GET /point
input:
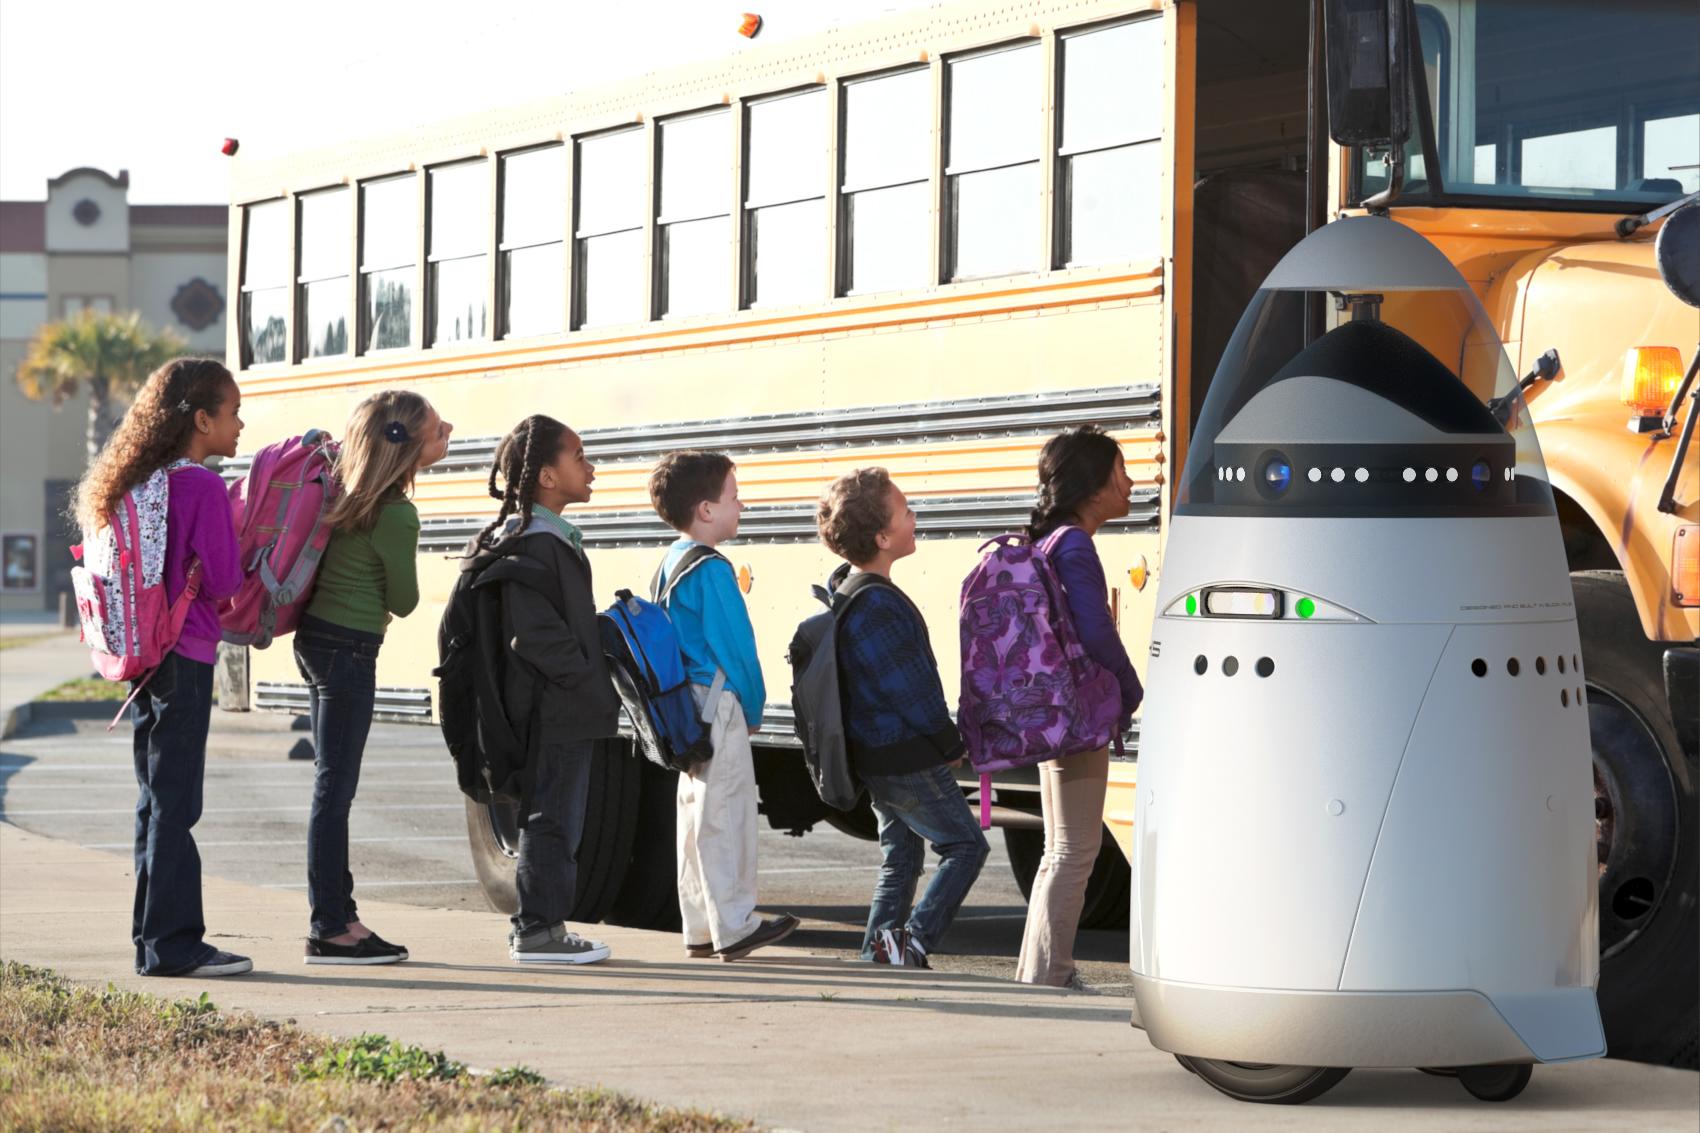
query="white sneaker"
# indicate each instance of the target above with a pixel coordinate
(555, 945)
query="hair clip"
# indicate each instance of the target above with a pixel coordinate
(396, 433)
(183, 406)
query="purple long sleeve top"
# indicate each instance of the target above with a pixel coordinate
(199, 525)
(1082, 575)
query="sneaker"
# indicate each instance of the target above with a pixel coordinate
(366, 950)
(914, 953)
(768, 932)
(899, 948)
(699, 951)
(222, 964)
(555, 945)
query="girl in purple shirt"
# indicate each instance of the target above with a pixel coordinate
(1083, 484)
(188, 410)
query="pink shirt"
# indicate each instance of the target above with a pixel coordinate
(198, 524)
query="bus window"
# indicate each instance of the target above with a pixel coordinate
(994, 142)
(887, 172)
(321, 305)
(531, 244)
(265, 282)
(613, 174)
(785, 200)
(694, 220)
(460, 218)
(1109, 165)
(389, 234)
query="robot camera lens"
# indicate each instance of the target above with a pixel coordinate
(1480, 475)
(1277, 474)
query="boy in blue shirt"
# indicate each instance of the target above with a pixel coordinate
(696, 493)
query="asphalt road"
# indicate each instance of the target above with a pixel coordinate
(73, 780)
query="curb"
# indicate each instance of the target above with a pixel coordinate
(23, 714)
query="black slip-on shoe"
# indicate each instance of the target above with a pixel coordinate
(768, 932)
(366, 950)
(382, 943)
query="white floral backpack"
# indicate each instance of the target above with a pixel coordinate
(128, 625)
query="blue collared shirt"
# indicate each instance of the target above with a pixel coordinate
(714, 630)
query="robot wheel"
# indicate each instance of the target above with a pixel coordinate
(1263, 1082)
(1495, 1083)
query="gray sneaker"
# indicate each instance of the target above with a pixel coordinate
(554, 945)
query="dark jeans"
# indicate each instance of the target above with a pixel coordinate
(340, 668)
(551, 824)
(911, 807)
(171, 717)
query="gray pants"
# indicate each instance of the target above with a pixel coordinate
(551, 825)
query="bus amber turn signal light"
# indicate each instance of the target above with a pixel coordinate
(1650, 374)
(751, 25)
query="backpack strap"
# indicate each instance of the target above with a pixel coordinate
(661, 586)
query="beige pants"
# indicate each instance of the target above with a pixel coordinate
(1071, 794)
(717, 835)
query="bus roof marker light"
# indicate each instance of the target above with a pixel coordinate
(750, 25)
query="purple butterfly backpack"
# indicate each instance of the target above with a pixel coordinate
(1029, 690)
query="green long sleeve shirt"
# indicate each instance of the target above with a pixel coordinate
(367, 576)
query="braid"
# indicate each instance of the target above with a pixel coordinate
(506, 494)
(533, 443)
(528, 468)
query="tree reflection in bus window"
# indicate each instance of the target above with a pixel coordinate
(321, 310)
(532, 241)
(389, 227)
(995, 104)
(887, 228)
(265, 283)
(608, 228)
(1109, 163)
(785, 199)
(695, 215)
(460, 215)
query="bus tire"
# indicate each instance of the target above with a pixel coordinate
(610, 828)
(1646, 820)
(649, 897)
(1108, 891)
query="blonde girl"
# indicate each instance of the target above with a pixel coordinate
(367, 577)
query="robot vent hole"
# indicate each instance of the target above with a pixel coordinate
(1201, 664)
(1512, 667)
(1564, 697)
(1478, 667)
(1541, 665)
(1265, 666)
(1578, 698)
(1561, 663)
(1230, 666)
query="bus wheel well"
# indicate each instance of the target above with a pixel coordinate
(1585, 548)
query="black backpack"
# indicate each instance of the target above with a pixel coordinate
(490, 751)
(816, 699)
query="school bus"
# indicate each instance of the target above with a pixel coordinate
(933, 240)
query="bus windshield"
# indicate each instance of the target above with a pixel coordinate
(1570, 102)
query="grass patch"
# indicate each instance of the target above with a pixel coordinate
(18, 641)
(78, 1059)
(87, 688)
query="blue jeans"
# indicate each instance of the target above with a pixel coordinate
(911, 807)
(171, 717)
(551, 826)
(340, 667)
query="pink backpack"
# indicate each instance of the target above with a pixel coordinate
(1030, 692)
(279, 508)
(120, 585)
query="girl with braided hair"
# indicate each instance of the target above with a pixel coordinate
(1083, 484)
(367, 577)
(556, 691)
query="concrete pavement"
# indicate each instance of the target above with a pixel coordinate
(788, 1039)
(49, 658)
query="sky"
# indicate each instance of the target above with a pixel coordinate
(154, 87)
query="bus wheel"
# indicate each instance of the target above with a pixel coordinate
(1495, 1083)
(1645, 822)
(610, 828)
(1108, 891)
(1262, 1082)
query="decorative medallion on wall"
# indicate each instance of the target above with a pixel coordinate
(197, 304)
(85, 212)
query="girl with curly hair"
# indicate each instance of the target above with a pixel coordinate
(188, 410)
(368, 576)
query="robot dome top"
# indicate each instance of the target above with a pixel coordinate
(1406, 405)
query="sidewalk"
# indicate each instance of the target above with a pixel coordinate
(791, 1040)
(49, 658)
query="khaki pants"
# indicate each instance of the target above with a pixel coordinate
(717, 834)
(1071, 794)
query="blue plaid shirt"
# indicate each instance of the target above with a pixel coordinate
(894, 707)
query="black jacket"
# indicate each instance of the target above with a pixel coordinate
(554, 648)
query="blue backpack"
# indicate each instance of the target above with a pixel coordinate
(649, 672)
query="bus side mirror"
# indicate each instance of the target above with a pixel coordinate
(1368, 91)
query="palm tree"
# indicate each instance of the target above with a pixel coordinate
(111, 354)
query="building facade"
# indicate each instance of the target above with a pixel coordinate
(85, 246)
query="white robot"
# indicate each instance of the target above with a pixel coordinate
(1364, 832)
